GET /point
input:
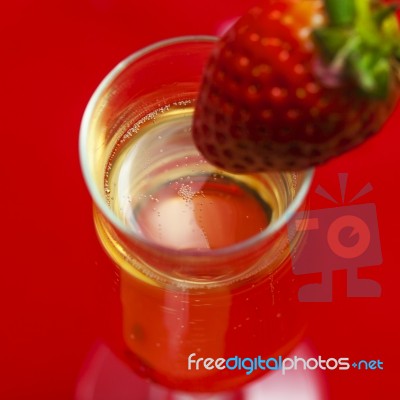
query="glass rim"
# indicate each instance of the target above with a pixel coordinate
(100, 201)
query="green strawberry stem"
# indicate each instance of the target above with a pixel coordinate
(361, 41)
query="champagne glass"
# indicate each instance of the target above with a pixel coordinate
(202, 255)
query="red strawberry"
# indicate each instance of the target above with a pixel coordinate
(295, 83)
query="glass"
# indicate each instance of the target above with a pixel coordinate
(201, 255)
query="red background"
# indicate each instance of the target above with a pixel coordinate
(53, 54)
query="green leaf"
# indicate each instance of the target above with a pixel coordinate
(330, 40)
(382, 14)
(372, 72)
(340, 12)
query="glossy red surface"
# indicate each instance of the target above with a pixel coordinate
(53, 55)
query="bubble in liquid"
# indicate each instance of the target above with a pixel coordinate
(186, 192)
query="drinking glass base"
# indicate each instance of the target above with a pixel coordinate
(103, 377)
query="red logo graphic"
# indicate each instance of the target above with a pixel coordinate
(345, 237)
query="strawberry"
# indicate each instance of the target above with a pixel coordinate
(294, 83)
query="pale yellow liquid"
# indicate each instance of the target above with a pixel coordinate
(159, 185)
